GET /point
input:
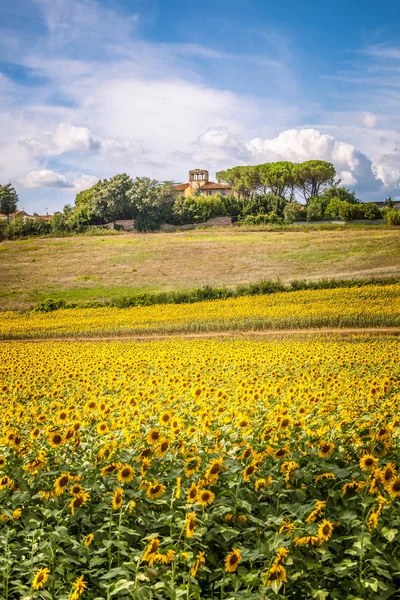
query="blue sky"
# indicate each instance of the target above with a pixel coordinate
(153, 87)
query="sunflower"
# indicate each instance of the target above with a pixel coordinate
(55, 439)
(281, 452)
(165, 418)
(191, 495)
(153, 436)
(116, 501)
(145, 466)
(276, 574)
(151, 551)
(213, 470)
(190, 524)
(192, 465)
(352, 488)
(79, 587)
(162, 449)
(35, 433)
(155, 490)
(166, 558)
(3, 462)
(102, 428)
(76, 489)
(16, 513)
(205, 497)
(388, 473)
(61, 483)
(78, 501)
(200, 560)
(394, 487)
(145, 453)
(325, 449)
(125, 474)
(249, 471)
(263, 483)
(109, 469)
(325, 530)
(232, 560)
(40, 578)
(88, 539)
(368, 462)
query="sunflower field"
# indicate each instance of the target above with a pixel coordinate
(367, 306)
(202, 469)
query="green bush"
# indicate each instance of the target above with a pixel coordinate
(371, 211)
(294, 211)
(350, 212)
(392, 216)
(51, 304)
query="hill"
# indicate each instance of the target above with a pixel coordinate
(95, 268)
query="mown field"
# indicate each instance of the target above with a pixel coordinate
(367, 306)
(99, 268)
(200, 469)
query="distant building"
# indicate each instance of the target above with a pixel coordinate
(25, 216)
(198, 180)
(384, 204)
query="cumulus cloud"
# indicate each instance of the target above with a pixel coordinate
(65, 138)
(387, 168)
(49, 178)
(299, 145)
(369, 120)
(219, 145)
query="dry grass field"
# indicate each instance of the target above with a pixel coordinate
(96, 268)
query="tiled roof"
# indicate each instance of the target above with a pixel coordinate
(181, 187)
(215, 186)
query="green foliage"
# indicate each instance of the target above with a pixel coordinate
(8, 199)
(350, 212)
(19, 227)
(202, 294)
(315, 209)
(151, 202)
(294, 211)
(51, 304)
(110, 200)
(371, 211)
(340, 193)
(392, 216)
(313, 177)
(262, 219)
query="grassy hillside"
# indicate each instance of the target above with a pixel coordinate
(85, 268)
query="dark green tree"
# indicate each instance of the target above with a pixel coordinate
(8, 200)
(110, 200)
(313, 177)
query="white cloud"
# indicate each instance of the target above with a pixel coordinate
(49, 178)
(299, 145)
(66, 138)
(388, 169)
(218, 145)
(369, 120)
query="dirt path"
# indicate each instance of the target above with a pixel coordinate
(273, 333)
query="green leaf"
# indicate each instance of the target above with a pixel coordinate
(122, 584)
(389, 534)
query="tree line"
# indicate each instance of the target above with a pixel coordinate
(265, 193)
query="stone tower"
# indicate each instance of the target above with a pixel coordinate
(198, 178)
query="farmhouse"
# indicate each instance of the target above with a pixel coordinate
(199, 182)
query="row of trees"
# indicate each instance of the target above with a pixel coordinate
(264, 193)
(284, 179)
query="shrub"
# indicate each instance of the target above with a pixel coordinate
(294, 211)
(371, 211)
(350, 212)
(392, 216)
